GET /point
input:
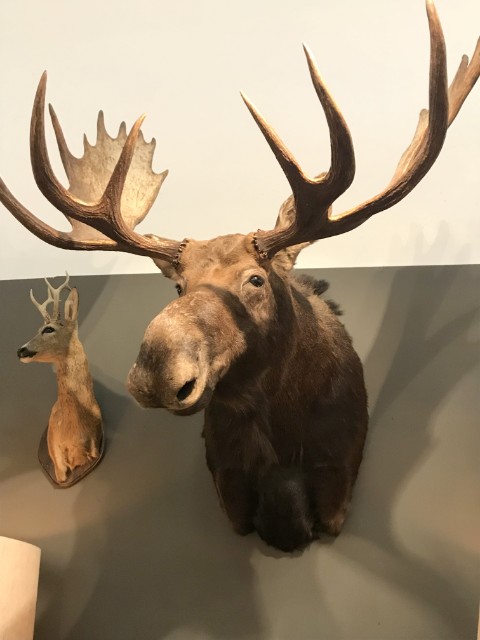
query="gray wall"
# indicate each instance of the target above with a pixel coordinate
(140, 549)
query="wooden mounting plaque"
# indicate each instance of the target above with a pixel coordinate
(76, 474)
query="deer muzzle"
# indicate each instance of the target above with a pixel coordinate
(25, 354)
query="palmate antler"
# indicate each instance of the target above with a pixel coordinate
(112, 188)
(313, 197)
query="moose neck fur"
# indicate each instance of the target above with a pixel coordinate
(284, 354)
(277, 386)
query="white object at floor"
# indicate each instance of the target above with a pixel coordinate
(19, 569)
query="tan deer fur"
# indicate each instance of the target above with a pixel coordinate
(75, 425)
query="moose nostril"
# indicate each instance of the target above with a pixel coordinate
(186, 390)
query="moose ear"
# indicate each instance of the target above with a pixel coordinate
(71, 306)
(165, 267)
(285, 259)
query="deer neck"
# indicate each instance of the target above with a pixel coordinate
(73, 375)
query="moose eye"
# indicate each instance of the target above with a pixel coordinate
(257, 281)
(179, 289)
(48, 330)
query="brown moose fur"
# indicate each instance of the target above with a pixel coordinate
(282, 387)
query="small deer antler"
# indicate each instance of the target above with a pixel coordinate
(54, 295)
(314, 196)
(112, 188)
(43, 307)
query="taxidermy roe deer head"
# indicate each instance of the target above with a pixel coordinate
(74, 434)
(249, 342)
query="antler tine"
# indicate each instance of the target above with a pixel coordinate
(342, 171)
(43, 307)
(88, 175)
(55, 293)
(313, 196)
(444, 104)
(463, 82)
(44, 231)
(65, 154)
(313, 219)
(461, 85)
(105, 215)
(79, 239)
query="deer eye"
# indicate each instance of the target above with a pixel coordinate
(48, 330)
(179, 289)
(257, 281)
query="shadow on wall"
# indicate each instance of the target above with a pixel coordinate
(152, 552)
(148, 554)
(157, 556)
(421, 352)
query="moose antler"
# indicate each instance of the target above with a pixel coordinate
(112, 188)
(53, 296)
(313, 197)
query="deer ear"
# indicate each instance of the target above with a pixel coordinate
(285, 259)
(71, 306)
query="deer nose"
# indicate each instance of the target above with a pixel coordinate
(24, 352)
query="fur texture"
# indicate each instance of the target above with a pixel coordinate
(282, 387)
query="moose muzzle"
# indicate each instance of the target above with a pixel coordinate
(186, 349)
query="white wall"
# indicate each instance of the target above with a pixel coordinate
(184, 63)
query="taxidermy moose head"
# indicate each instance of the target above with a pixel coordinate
(247, 340)
(75, 433)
